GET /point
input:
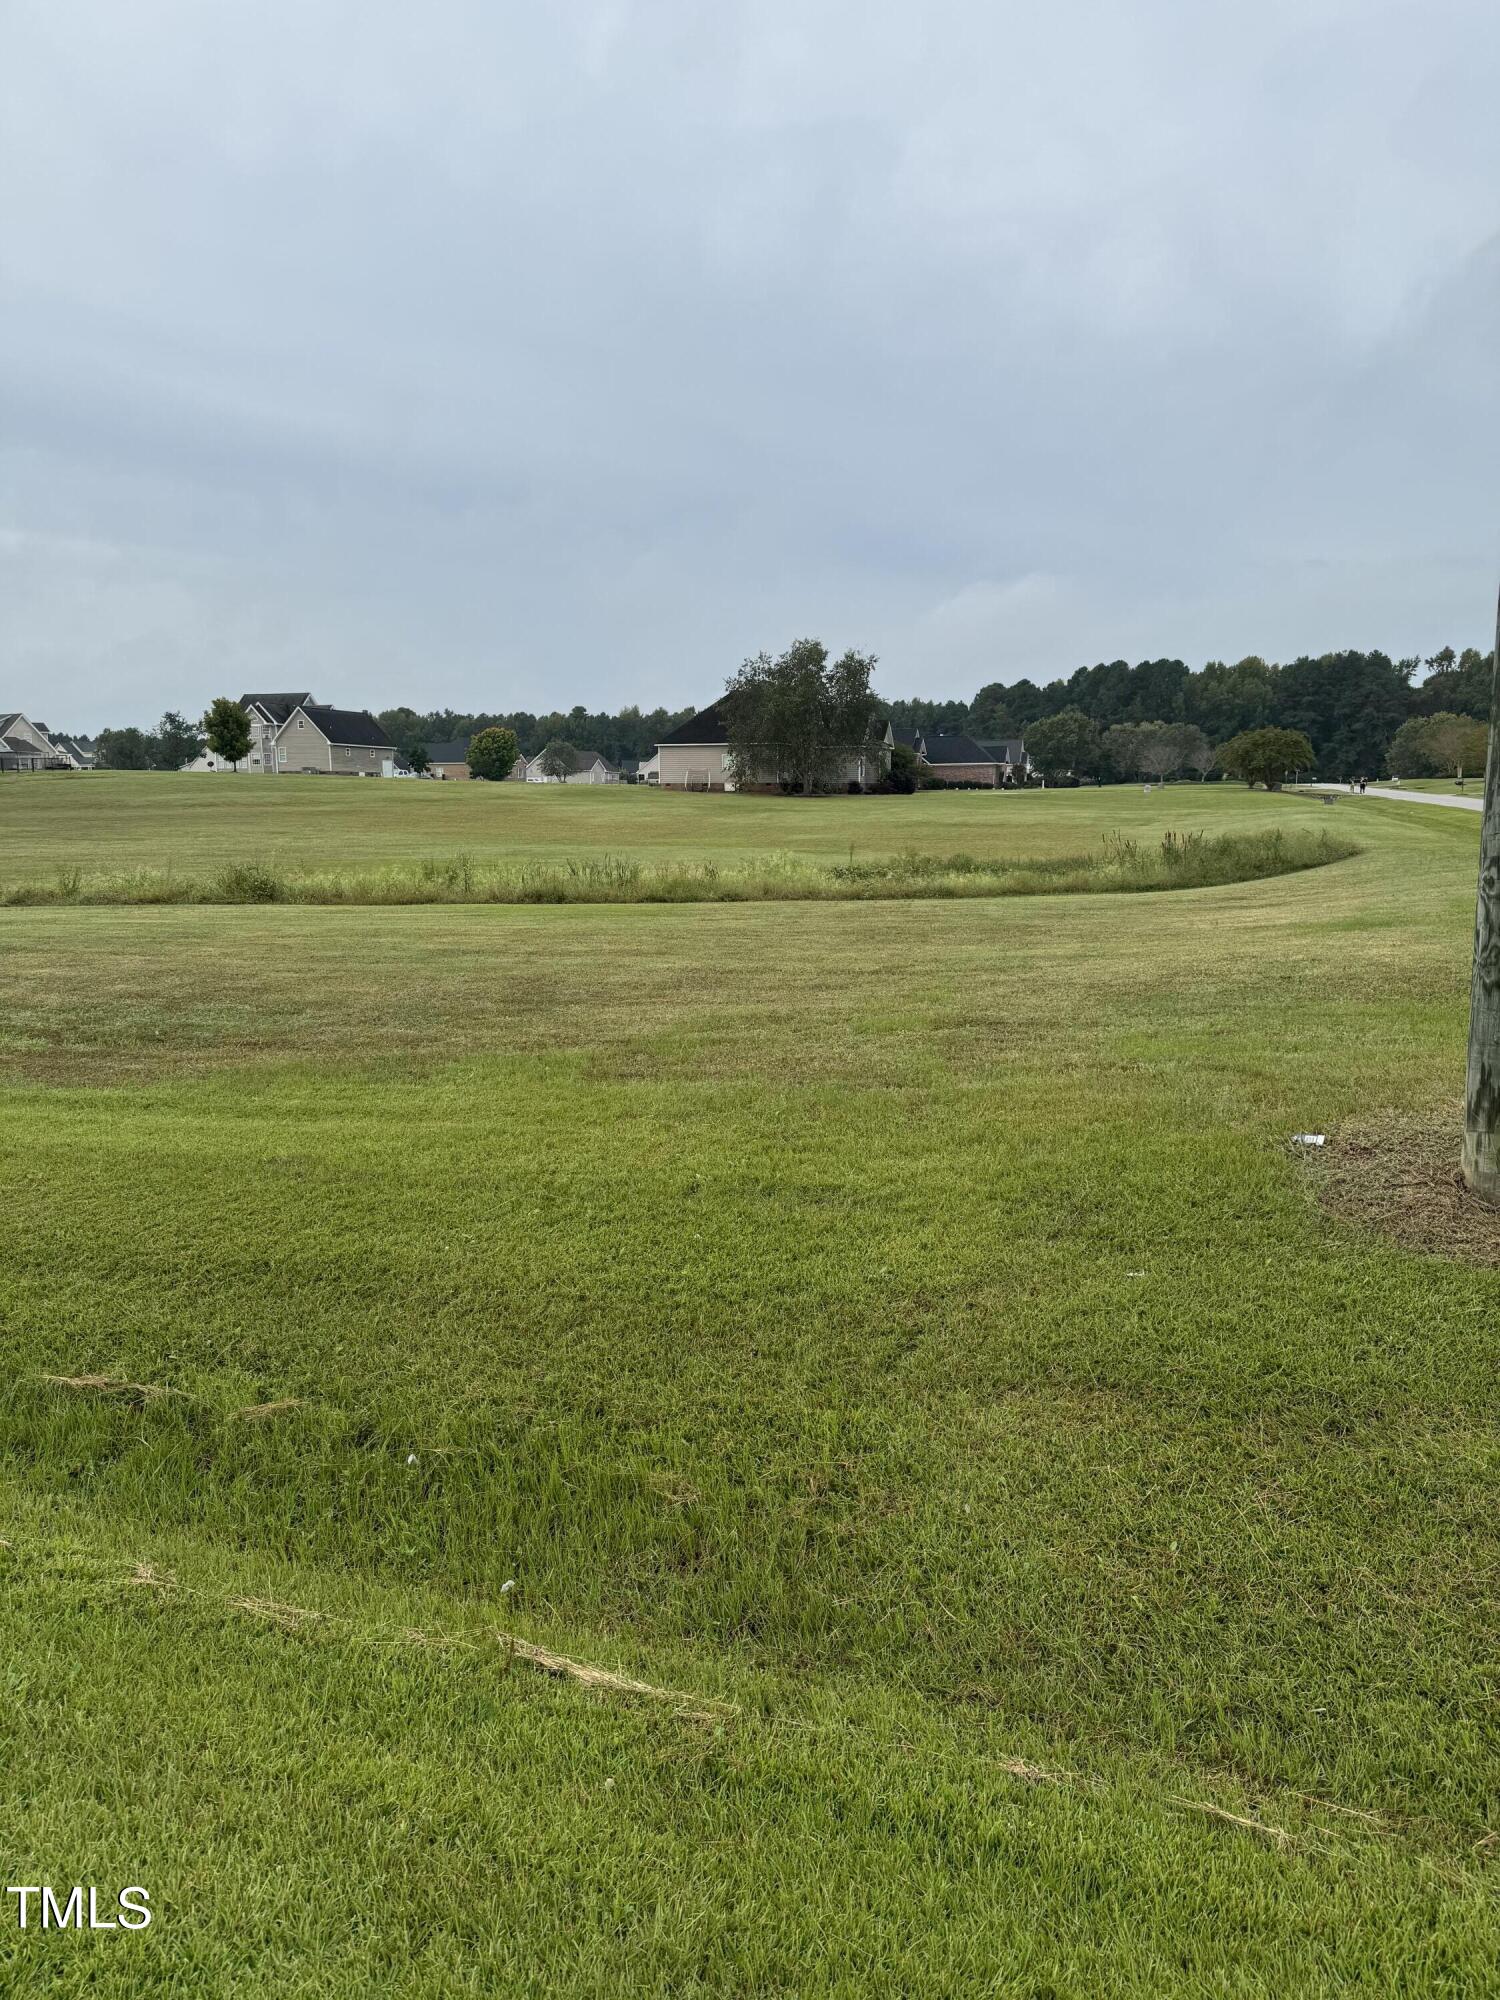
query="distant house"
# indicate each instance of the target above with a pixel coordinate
(26, 747)
(959, 760)
(77, 753)
(694, 757)
(592, 770)
(449, 760)
(292, 733)
(1010, 753)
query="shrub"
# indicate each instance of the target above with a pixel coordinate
(249, 882)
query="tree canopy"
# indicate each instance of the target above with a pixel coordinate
(798, 719)
(126, 749)
(227, 728)
(1066, 745)
(1438, 746)
(559, 759)
(177, 741)
(1266, 756)
(492, 754)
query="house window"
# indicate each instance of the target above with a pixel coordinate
(299, 721)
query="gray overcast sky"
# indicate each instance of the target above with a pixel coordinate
(477, 354)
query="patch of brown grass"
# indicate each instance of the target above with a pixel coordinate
(106, 1385)
(1399, 1176)
(255, 1413)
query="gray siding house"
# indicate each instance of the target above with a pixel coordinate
(292, 733)
(25, 747)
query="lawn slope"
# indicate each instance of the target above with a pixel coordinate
(902, 1329)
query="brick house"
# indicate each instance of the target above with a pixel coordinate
(959, 760)
(449, 760)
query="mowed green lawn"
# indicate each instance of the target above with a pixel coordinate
(110, 821)
(902, 1329)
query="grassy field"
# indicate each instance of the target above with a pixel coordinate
(898, 1334)
(101, 821)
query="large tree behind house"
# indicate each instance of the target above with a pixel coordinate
(799, 719)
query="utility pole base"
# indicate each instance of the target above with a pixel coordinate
(1482, 1165)
(1482, 1096)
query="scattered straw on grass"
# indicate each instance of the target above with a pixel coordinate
(601, 1678)
(1035, 1774)
(1399, 1176)
(255, 1413)
(107, 1385)
(149, 1577)
(290, 1617)
(1276, 1835)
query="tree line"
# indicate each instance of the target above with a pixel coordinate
(630, 732)
(1361, 714)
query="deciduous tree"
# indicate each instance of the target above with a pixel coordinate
(227, 728)
(1266, 756)
(492, 754)
(177, 742)
(559, 760)
(799, 719)
(123, 750)
(1065, 745)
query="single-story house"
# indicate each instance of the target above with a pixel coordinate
(294, 733)
(694, 756)
(24, 746)
(592, 770)
(449, 760)
(959, 760)
(1010, 752)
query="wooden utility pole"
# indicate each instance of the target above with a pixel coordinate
(1482, 1106)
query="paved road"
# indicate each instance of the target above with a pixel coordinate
(1473, 805)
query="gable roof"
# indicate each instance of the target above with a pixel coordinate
(1012, 750)
(276, 707)
(347, 725)
(22, 732)
(587, 759)
(956, 750)
(456, 752)
(709, 725)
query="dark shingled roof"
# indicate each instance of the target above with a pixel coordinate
(448, 753)
(709, 725)
(347, 725)
(956, 750)
(1011, 751)
(277, 706)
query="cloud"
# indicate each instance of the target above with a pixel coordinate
(512, 356)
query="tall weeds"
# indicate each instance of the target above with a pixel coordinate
(1183, 861)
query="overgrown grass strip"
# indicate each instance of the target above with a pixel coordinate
(1120, 866)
